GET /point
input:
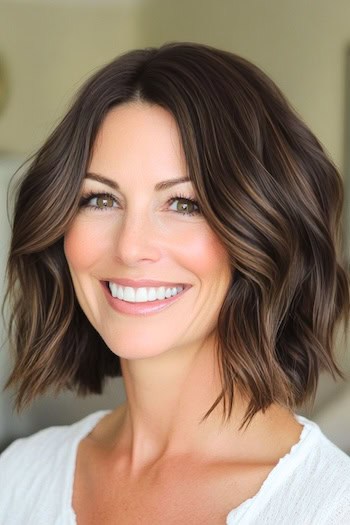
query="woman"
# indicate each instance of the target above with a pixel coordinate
(180, 228)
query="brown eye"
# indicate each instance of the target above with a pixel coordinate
(104, 201)
(98, 201)
(185, 206)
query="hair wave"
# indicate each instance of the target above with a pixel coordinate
(267, 189)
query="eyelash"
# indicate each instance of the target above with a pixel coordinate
(84, 201)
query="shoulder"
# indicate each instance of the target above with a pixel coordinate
(34, 468)
(319, 486)
(34, 451)
(40, 448)
(311, 484)
(323, 455)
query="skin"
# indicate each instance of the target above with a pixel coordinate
(169, 367)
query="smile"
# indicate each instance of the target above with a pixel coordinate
(143, 294)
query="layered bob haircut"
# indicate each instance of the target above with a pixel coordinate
(264, 185)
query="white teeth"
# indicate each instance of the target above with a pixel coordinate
(143, 294)
(151, 294)
(140, 295)
(114, 289)
(160, 293)
(129, 294)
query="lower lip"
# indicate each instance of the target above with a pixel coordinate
(152, 307)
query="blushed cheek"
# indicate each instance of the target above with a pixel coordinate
(83, 246)
(205, 255)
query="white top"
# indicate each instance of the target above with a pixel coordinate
(309, 486)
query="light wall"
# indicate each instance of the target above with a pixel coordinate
(49, 51)
(299, 43)
(51, 48)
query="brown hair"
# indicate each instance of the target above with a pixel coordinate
(266, 188)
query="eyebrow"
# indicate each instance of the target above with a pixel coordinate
(160, 186)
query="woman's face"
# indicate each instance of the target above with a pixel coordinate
(132, 227)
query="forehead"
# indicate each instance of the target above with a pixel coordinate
(138, 137)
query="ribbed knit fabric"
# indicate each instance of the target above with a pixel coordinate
(309, 486)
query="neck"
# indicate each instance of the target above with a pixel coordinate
(167, 397)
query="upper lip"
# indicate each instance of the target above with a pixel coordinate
(144, 282)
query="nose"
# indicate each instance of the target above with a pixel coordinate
(137, 239)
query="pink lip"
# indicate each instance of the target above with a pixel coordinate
(142, 282)
(139, 308)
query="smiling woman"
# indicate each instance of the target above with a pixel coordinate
(160, 236)
(181, 228)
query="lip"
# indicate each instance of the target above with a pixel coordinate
(140, 309)
(144, 282)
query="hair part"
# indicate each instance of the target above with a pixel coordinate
(266, 188)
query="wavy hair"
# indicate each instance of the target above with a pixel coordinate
(265, 186)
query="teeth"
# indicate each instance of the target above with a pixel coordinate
(160, 293)
(129, 294)
(114, 290)
(142, 295)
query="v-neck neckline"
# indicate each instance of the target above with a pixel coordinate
(287, 464)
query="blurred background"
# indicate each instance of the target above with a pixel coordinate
(49, 47)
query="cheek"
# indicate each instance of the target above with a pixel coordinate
(205, 254)
(91, 243)
(83, 245)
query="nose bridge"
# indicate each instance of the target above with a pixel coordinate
(137, 236)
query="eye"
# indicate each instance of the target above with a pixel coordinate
(184, 205)
(98, 201)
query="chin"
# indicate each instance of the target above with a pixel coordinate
(136, 349)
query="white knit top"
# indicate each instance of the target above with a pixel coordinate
(309, 486)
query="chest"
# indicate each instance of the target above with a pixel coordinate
(180, 493)
(147, 508)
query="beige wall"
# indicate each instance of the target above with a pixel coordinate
(300, 43)
(51, 49)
